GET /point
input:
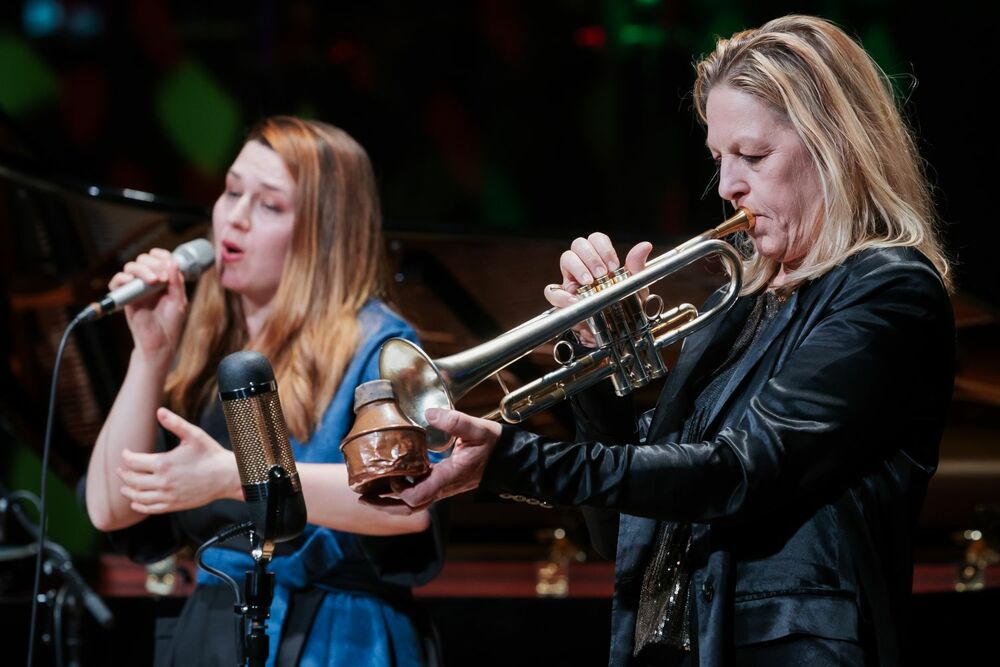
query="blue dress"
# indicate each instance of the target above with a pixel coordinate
(366, 615)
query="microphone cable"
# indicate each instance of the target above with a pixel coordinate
(42, 518)
(200, 258)
(225, 534)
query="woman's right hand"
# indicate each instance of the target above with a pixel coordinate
(156, 320)
(587, 260)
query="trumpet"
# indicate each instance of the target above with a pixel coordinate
(629, 340)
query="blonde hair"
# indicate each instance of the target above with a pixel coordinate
(841, 104)
(335, 264)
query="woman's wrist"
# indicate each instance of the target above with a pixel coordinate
(229, 471)
(156, 364)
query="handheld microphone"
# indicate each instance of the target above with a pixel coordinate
(259, 437)
(192, 257)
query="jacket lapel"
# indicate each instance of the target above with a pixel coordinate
(753, 355)
(701, 353)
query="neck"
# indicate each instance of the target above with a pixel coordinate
(255, 315)
(784, 269)
(779, 279)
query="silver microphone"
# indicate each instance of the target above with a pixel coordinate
(192, 257)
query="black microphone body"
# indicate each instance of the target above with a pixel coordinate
(192, 258)
(259, 437)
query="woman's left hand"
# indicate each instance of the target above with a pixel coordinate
(586, 259)
(196, 472)
(461, 471)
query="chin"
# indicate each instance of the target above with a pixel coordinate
(765, 249)
(232, 285)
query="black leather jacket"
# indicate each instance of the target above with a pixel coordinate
(812, 475)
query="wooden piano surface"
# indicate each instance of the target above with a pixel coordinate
(119, 577)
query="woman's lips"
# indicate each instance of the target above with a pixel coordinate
(231, 253)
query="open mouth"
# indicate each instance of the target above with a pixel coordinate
(231, 252)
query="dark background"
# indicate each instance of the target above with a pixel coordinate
(501, 117)
(492, 125)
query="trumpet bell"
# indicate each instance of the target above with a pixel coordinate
(418, 384)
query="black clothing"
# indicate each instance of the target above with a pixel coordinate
(804, 491)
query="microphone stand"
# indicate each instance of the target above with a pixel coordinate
(63, 631)
(258, 588)
(72, 597)
(66, 631)
(253, 602)
(258, 583)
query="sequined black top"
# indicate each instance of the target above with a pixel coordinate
(664, 614)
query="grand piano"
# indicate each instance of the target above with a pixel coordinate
(516, 575)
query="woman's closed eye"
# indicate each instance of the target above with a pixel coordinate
(749, 159)
(273, 207)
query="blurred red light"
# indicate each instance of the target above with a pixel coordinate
(590, 37)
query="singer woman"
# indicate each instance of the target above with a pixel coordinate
(300, 275)
(763, 514)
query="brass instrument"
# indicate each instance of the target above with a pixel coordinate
(628, 339)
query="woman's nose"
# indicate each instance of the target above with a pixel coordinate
(732, 185)
(239, 213)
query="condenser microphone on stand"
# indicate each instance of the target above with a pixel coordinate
(270, 481)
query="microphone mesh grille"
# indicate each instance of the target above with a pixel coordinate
(259, 436)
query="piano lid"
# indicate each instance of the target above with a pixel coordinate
(61, 239)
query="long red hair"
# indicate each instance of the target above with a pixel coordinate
(336, 262)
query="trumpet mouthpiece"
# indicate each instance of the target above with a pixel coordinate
(743, 220)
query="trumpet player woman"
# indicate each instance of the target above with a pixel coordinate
(299, 272)
(763, 512)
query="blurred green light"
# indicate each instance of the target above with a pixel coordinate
(633, 34)
(309, 110)
(723, 23)
(27, 82)
(878, 41)
(501, 203)
(199, 116)
(68, 523)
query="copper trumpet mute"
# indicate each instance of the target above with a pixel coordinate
(383, 443)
